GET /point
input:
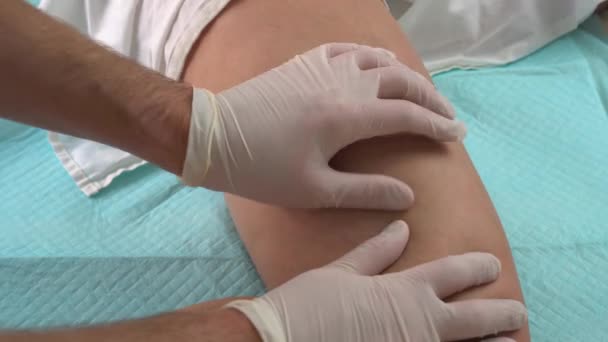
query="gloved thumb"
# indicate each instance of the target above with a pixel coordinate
(368, 191)
(376, 254)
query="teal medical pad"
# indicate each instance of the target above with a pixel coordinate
(538, 135)
(144, 245)
(539, 140)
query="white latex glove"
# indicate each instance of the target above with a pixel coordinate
(347, 301)
(271, 138)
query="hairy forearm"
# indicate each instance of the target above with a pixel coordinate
(191, 325)
(57, 79)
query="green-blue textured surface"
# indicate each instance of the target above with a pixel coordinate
(538, 135)
(539, 139)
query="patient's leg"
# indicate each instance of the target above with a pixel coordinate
(452, 213)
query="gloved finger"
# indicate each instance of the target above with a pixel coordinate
(377, 253)
(367, 191)
(386, 52)
(481, 317)
(401, 82)
(453, 274)
(335, 49)
(388, 117)
(365, 58)
(498, 339)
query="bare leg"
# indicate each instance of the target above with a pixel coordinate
(452, 213)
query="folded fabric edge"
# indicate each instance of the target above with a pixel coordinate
(86, 184)
(560, 29)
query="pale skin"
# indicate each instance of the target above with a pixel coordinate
(87, 76)
(452, 213)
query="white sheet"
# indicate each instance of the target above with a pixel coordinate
(474, 33)
(158, 34)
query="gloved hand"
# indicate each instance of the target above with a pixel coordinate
(347, 301)
(270, 138)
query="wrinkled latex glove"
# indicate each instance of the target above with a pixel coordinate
(271, 138)
(347, 301)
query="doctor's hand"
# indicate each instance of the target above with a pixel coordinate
(271, 138)
(347, 301)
